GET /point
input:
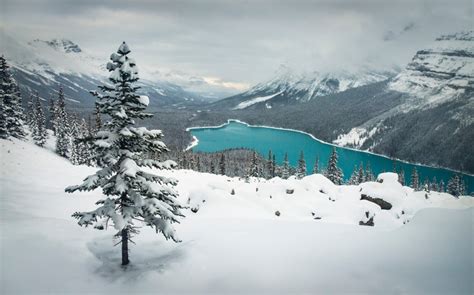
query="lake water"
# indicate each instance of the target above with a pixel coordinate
(235, 134)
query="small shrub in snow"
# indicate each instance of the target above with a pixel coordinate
(277, 213)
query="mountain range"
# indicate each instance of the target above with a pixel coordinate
(292, 87)
(42, 66)
(423, 113)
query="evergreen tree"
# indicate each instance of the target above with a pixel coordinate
(198, 164)
(53, 120)
(301, 170)
(64, 130)
(361, 174)
(30, 112)
(4, 134)
(401, 177)
(434, 184)
(213, 167)
(455, 186)
(415, 180)
(270, 165)
(274, 165)
(368, 175)
(354, 179)
(333, 172)
(316, 166)
(254, 170)
(39, 133)
(285, 169)
(11, 111)
(73, 135)
(222, 164)
(133, 195)
(441, 186)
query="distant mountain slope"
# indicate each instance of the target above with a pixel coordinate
(440, 73)
(290, 87)
(44, 65)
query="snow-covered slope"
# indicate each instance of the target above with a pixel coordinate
(42, 66)
(234, 243)
(289, 87)
(440, 73)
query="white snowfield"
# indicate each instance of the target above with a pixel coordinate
(251, 102)
(233, 243)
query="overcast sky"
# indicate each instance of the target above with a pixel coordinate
(238, 43)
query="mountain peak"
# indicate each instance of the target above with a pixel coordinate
(441, 72)
(459, 36)
(64, 45)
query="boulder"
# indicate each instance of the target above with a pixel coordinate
(382, 203)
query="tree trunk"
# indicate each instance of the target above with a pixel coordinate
(125, 260)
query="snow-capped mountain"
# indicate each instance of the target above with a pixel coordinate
(442, 72)
(42, 66)
(433, 122)
(289, 86)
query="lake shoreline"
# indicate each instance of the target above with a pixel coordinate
(196, 142)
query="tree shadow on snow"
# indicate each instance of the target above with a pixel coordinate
(145, 257)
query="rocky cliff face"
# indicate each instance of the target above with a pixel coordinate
(442, 72)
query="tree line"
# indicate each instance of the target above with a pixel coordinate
(245, 163)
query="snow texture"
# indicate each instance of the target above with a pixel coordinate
(246, 104)
(234, 243)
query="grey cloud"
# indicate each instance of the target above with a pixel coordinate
(244, 41)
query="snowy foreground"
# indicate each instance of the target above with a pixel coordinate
(233, 243)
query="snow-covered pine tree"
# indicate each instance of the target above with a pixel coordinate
(368, 174)
(333, 172)
(84, 146)
(11, 117)
(254, 170)
(316, 166)
(222, 164)
(401, 177)
(213, 167)
(301, 169)
(274, 166)
(132, 194)
(434, 184)
(441, 186)
(415, 180)
(198, 164)
(63, 130)
(3, 118)
(40, 134)
(455, 186)
(269, 165)
(285, 169)
(30, 112)
(73, 136)
(354, 179)
(361, 174)
(53, 120)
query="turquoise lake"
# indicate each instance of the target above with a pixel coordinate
(235, 134)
